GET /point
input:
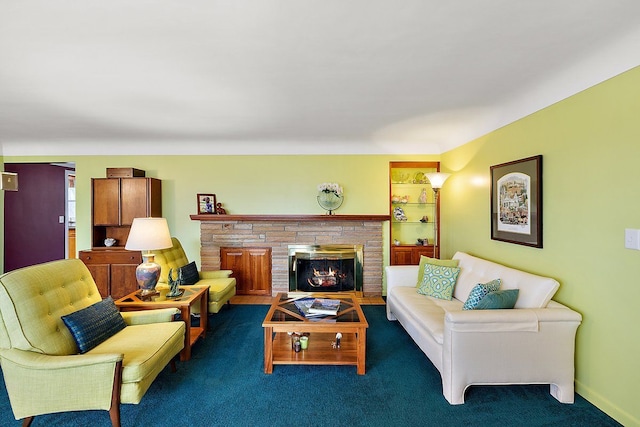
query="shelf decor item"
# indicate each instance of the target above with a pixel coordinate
(330, 196)
(146, 235)
(516, 202)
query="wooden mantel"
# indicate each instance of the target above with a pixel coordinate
(279, 218)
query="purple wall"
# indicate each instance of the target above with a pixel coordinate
(32, 232)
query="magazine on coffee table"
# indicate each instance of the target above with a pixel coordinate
(303, 306)
(325, 306)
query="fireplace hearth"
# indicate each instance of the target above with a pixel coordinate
(325, 268)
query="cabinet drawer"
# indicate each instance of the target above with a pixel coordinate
(111, 257)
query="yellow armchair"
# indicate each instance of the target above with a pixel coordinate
(221, 286)
(42, 368)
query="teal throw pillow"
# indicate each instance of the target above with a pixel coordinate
(438, 281)
(479, 291)
(498, 300)
(94, 324)
(424, 260)
(190, 275)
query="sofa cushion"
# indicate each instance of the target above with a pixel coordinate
(94, 324)
(478, 292)
(424, 260)
(438, 281)
(190, 275)
(498, 300)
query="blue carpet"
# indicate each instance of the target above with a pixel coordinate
(224, 385)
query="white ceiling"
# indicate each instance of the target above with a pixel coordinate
(294, 76)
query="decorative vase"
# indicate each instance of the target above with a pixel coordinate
(329, 201)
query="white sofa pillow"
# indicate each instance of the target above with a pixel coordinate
(535, 291)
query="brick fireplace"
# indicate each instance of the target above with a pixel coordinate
(278, 232)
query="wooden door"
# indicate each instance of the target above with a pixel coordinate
(106, 201)
(100, 274)
(259, 271)
(420, 251)
(134, 197)
(232, 259)
(123, 279)
(401, 255)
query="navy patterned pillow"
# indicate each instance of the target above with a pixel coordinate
(190, 275)
(94, 324)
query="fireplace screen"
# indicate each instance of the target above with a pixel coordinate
(325, 268)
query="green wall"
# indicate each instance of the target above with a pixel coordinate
(244, 184)
(591, 152)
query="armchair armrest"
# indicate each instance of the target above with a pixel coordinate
(61, 383)
(215, 274)
(144, 317)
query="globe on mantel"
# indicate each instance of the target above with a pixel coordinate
(330, 201)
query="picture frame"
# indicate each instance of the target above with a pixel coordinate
(207, 204)
(516, 202)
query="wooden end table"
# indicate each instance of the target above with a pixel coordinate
(283, 317)
(190, 296)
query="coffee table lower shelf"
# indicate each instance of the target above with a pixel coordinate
(319, 351)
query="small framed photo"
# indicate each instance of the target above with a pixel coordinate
(206, 204)
(516, 202)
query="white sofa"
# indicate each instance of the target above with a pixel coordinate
(531, 344)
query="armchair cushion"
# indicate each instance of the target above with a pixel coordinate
(94, 324)
(190, 275)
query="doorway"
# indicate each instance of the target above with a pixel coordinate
(36, 225)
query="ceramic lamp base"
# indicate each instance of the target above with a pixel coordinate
(147, 275)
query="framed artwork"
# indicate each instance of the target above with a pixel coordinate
(516, 202)
(206, 204)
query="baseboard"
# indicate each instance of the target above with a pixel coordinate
(606, 406)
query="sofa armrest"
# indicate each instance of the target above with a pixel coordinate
(215, 274)
(401, 275)
(508, 320)
(144, 317)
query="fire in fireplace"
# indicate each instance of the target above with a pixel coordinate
(325, 268)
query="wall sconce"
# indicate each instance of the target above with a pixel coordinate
(147, 234)
(9, 181)
(436, 179)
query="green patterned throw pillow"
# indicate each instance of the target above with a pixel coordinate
(424, 260)
(479, 291)
(438, 281)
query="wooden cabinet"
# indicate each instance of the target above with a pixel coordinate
(251, 268)
(114, 271)
(409, 255)
(115, 202)
(413, 209)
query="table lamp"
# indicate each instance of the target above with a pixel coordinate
(147, 234)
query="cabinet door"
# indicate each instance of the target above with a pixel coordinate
(259, 271)
(232, 259)
(123, 279)
(420, 251)
(100, 274)
(106, 201)
(135, 202)
(401, 255)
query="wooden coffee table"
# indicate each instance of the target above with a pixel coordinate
(190, 296)
(283, 318)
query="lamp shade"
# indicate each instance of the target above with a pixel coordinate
(148, 234)
(437, 179)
